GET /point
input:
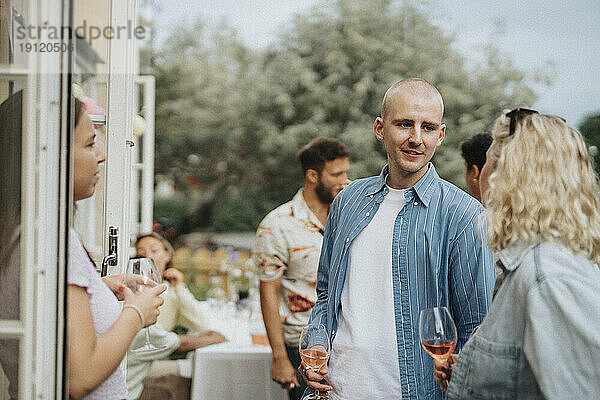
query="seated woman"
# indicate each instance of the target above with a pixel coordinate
(540, 338)
(99, 332)
(180, 308)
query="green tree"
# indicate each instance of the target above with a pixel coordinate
(335, 65)
(590, 129)
(230, 119)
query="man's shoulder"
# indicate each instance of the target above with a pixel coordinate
(285, 210)
(454, 197)
(460, 209)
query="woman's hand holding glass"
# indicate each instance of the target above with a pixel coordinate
(132, 281)
(146, 268)
(147, 301)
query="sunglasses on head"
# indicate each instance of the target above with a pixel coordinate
(519, 114)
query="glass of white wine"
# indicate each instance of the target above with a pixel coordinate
(147, 269)
(437, 332)
(314, 350)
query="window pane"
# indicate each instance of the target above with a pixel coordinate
(11, 102)
(13, 36)
(9, 369)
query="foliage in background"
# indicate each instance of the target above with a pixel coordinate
(590, 129)
(229, 119)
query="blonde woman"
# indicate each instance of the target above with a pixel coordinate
(540, 338)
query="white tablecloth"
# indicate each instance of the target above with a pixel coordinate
(234, 371)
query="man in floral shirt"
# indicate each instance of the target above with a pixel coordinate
(286, 253)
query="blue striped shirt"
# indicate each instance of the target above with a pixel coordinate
(439, 259)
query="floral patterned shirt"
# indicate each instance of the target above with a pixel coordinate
(288, 245)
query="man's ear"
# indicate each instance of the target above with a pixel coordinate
(442, 134)
(312, 176)
(378, 129)
(475, 171)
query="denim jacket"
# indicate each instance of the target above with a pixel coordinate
(438, 259)
(541, 337)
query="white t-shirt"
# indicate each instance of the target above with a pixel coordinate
(364, 354)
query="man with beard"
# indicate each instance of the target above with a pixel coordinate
(286, 254)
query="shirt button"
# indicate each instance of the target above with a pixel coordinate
(347, 240)
(371, 196)
(367, 214)
(416, 204)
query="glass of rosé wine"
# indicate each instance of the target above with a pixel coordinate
(437, 332)
(314, 351)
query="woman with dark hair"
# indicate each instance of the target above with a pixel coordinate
(99, 332)
(540, 337)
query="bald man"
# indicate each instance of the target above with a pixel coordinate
(395, 244)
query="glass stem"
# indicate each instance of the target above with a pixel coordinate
(147, 336)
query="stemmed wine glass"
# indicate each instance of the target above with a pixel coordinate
(147, 269)
(437, 332)
(314, 351)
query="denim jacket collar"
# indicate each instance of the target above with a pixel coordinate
(511, 256)
(424, 188)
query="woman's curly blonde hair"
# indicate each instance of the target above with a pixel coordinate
(543, 188)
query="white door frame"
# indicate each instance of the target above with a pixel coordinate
(119, 128)
(46, 191)
(44, 211)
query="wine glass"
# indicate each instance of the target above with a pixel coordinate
(437, 332)
(314, 351)
(147, 269)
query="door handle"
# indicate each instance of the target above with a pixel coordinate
(112, 257)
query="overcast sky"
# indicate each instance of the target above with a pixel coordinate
(536, 33)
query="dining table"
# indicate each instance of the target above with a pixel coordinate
(233, 371)
(238, 369)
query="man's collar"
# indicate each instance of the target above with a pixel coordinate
(303, 210)
(423, 188)
(299, 202)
